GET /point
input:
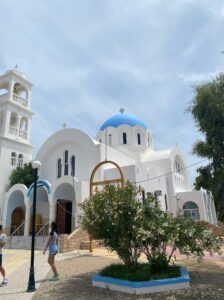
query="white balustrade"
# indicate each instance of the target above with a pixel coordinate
(20, 100)
(13, 130)
(15, 98)
(4, 97)
(20, 133)
(23, 134)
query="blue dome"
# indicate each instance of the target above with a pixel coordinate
(122, 119)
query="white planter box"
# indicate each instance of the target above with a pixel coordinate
(143, 287)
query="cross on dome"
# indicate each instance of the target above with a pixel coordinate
(121, 110)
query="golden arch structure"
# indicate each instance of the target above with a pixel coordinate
(119, 181)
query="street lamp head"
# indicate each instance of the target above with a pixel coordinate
(36, 164)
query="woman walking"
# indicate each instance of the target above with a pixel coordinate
(52, 243)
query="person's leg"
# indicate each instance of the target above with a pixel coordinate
(49, 260)
(52, 264)
(2, 271)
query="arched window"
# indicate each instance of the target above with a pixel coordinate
(59, 168)
(23, 124)
(73, 166)
(124, 138)
(166, 203)
(66, 164)
(191, 210)
(14, 119)
(20, 160)
(13, 158)
(1, 120)
(16, 88)
(177, 166)
(110, 140)
(139, 138)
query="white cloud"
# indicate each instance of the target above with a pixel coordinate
(88, 58)
(194, 78)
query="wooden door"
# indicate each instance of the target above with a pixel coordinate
(18, 217)
(61, 211)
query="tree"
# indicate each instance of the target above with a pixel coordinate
(23, 175)
(207, 109)
(130, 227)
(112, 216)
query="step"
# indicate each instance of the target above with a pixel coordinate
(22, 242)
(84, 245)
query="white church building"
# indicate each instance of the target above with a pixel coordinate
(69, 156)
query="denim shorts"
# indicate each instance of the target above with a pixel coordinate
(53, 249)
(0, 260)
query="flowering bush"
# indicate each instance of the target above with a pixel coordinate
(130, 227)
(112, 215)
(162, 234)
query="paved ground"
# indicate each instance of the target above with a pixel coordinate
(207, 281)
(17, 263)
(207, 278)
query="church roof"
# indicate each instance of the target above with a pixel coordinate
(122, 119)
(158, 155)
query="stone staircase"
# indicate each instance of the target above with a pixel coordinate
(24, 242)
(77, 240)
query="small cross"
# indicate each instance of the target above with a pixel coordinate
(121, 110)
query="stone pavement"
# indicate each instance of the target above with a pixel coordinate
(17, 263)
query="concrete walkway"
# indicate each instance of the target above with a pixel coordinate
(17, 264)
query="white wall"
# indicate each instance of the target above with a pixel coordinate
(15, 200)
(113, 173)
(194, 196)
(42, 203)
(77, 143)
(209, 206)
(7, 147)
(116, 134)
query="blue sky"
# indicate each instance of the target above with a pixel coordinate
(87, 58)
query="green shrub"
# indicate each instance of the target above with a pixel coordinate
(162, 234)
(130, 227)
(112, 216)
(141, 272)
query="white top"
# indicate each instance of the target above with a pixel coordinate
(2, 240)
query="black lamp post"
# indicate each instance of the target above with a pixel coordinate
(31, 284)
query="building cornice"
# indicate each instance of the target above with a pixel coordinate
(16, 141)
(20, 107)
(17, 75)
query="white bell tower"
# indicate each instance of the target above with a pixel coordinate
(15, 126)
